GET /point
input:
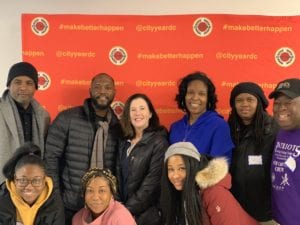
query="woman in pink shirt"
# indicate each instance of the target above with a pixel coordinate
(99, 188)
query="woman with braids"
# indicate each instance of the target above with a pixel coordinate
(201, 125)
(195, 190)
(253, 132)
(99, 187)
(27, 196)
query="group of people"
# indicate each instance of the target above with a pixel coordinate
(89, 167)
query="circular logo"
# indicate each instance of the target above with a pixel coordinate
(202, 27)
(285, 57)
(44, 81)
(118, 108)
(118, 55)
(40, 26)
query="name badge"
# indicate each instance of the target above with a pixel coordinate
(291, 163)
(255, 160)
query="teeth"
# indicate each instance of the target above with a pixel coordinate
(283, 116)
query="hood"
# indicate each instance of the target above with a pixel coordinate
(163, 131)
(3, 189)
(215, 171)
(206, 118)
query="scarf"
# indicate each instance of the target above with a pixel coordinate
(17, 119)
(35, 127)
(100, 142)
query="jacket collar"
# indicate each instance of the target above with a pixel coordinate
(215, 171)
(87, 106)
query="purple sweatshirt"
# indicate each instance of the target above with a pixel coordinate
(285, 172)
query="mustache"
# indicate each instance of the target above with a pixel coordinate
(99, 96)
(100, 106)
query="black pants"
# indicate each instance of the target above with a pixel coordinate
(69, 213)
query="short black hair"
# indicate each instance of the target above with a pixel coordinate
(27, 154)
(102, 74)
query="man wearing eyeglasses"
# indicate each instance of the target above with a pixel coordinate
(285, 167)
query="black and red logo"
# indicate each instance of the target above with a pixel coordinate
(44, 81)
(40, 26)
(118, 108)
(285, 57)
(118, 55)
(202, 27)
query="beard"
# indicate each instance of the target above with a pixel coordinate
(100, 106)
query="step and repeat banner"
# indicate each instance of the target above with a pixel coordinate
(150, 54)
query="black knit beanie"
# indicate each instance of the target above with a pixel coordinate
(250, 88)
(22, 69)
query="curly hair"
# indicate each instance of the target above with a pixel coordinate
(97, 172)
(182, 90)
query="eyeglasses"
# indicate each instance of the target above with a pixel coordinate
(35, 182)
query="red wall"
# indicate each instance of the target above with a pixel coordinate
(150, 54)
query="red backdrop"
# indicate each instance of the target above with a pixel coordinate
(150, 54)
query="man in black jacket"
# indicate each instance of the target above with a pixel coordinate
(80, 138)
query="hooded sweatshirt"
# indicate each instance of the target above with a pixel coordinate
(26, 214)
(210, 134)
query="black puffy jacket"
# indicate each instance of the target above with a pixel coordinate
(50, 213)
(69, 147)
(145, 163)
(251, 184)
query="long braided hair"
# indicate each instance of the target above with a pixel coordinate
(235, 123)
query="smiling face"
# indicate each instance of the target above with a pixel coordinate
(287, 112)
(30, 182)
(176, 171)
(196, 99)
(22, 89)
(98, 196)
(139, 114)
(102, 91)
(246, 105)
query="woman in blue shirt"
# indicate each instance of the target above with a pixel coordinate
(201, 125)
